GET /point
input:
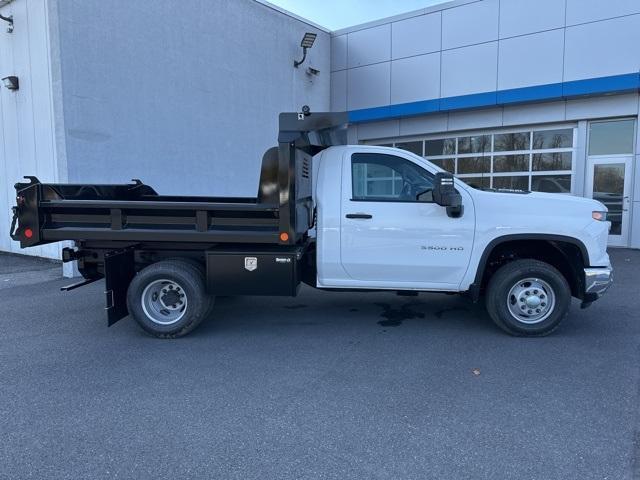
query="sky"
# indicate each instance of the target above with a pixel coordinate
(336, 14)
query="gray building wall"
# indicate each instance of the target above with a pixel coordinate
(183, 95)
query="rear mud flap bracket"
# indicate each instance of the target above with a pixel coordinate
(119, 270)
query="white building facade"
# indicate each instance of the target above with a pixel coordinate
(506, 94)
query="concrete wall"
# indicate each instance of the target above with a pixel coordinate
(184, 95)
(27, 142)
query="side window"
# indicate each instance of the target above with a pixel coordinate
(381, 177)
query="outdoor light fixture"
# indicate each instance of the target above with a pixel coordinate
(11, 82)
(307, 42)
(9, 20)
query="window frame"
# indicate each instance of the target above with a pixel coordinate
(353, 198)
(530, 173)
(612, 155)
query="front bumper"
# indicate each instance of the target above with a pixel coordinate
(596, 282)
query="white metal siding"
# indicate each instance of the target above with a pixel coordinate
(26, 116)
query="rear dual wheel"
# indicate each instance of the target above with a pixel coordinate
(168, 299)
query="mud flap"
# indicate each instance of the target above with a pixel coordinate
(119, 270)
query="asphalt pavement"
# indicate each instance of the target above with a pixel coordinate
(325, 385)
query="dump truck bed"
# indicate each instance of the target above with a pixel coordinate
(135, 212)
(281, 213)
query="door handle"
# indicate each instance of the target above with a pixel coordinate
(364, 216)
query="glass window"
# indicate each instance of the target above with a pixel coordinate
(474, 165)
(507, 142)
(611, 138)
(511, 163)
(552, 161)
(448, 164)
(445, 146)
(544, 139)
(476, 144)
(551, 183)
(413, 147)
(385, 145)
(387, 178)
(481, 183)
(608, 187)
(511, 183)
(537, 159)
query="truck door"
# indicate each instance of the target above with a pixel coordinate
(392, 234)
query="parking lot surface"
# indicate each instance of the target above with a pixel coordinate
(325, 385)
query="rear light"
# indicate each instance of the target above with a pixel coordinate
(28, 233)
(284, 237)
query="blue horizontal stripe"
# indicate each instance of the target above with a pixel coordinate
(539, 93)
(477, 100)
(556, 91)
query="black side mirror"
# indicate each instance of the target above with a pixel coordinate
(445, 194)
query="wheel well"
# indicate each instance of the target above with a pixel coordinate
(567, 257)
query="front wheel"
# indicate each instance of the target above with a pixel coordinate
(528, 298)
(168, 299)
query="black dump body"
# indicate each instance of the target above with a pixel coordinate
(281, 214)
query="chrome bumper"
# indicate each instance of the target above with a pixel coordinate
(596, 282)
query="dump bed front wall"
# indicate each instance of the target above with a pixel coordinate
(185, 97)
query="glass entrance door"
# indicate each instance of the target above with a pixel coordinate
(609, 181)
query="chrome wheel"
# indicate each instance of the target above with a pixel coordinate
(164, 302)
(531, 300)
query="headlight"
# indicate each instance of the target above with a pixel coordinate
(600, 216)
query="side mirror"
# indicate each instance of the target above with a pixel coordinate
(445, 194)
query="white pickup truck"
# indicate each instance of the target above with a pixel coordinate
(335, 217)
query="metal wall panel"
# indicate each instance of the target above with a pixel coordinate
(583, 11)
(27, 144)
(386, 129)
(470, 24)
(338, 52)
(415, 78)
(339, 91)
(602, 48)
(371, 45)
(469, 70)
(520, 17)
(602, 107)
(531, 60)
(187, 102)
(489, 118)
(369, 86)
(535, 113)
(416, 36)
(423, 125)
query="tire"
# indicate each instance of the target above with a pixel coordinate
(193, 263)
(528, 298)
(168, 299)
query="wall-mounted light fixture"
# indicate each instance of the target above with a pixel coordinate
(312, 71)
(307, 42)
(11, 82)
(9, 20)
